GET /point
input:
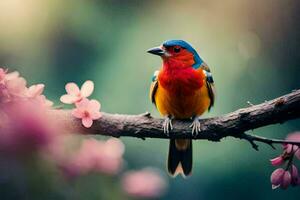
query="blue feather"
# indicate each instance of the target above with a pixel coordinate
(197, 59)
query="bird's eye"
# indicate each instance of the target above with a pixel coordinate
(176, 49)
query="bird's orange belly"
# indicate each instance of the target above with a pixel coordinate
(182, 106)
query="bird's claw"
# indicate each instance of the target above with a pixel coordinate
(167, 125)
(196, 127)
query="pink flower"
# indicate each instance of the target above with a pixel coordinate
(35, 92)
(147, 183)
(95, 156)
(277, 161)
(74, 94)
(87, 111)
(281, 178)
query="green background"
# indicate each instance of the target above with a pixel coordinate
(251, 46)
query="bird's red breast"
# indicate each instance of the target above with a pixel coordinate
(180, 81)
(182, 90)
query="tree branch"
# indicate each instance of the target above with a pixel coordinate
(233, 124)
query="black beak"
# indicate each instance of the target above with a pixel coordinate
(157, 51)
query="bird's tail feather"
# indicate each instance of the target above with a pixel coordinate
(180, 158)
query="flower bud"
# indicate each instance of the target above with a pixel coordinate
(280, 178)
(276, 178)
(277, 161)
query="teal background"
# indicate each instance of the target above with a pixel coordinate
(251, 46)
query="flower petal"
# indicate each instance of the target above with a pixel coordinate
(94, 105)
(12, 75)
(286, 180)
(68, 99)
(87, 88)
(95, 115)
(72, 88)
(277, 161)
(289, 148)
(77, 113)
(84, 103)
(87, 122)
(35, 90)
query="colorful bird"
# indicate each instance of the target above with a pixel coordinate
(182, 89)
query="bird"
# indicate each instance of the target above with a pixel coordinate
(183, 88)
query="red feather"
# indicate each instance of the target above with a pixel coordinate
(179, 77)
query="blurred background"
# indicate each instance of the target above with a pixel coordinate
(251, 46)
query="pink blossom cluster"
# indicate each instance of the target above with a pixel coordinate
(95, 156)
(86, 110)
(24, 127)
(13, 88)
(27, 129)
(283, 177)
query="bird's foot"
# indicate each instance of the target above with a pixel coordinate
(196, 126)
(167, 125)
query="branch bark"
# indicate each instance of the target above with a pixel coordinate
(233, 124)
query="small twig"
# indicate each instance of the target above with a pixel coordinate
(250, 139)
(269, 141)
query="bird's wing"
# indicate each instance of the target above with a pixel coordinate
(154, 86)
(209, 84)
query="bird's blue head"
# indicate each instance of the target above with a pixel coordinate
(179, 50)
